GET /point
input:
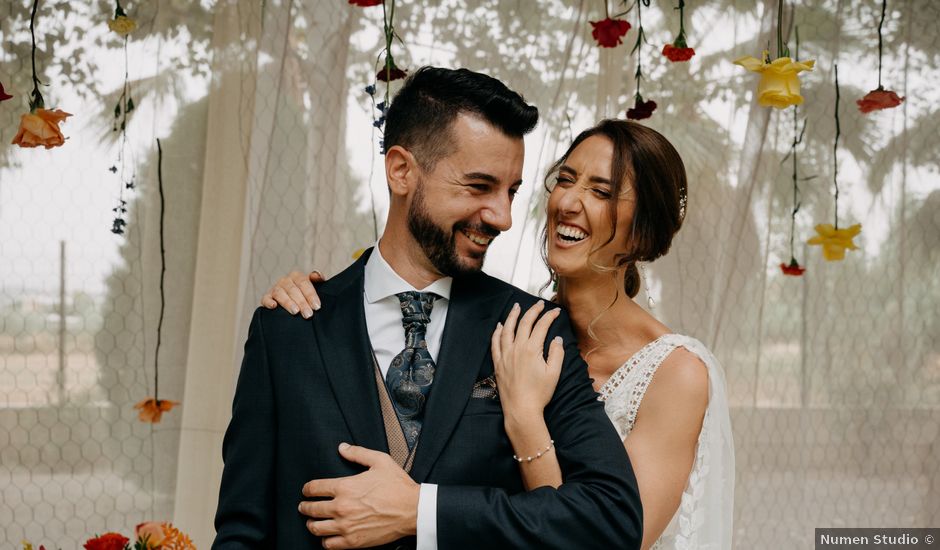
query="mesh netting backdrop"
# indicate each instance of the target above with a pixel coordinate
(834, 377)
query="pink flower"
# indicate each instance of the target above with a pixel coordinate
(3, 94)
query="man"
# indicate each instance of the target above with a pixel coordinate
(382, 407)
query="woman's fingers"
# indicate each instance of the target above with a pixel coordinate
(524, 330)
(495, 346)
(508, 335)
(268, 300)
(556, 356)
(540, 331)
(284, 300)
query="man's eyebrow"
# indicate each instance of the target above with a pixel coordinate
(595, 179)
(481, 176)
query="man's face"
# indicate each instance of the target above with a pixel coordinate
(461, 205)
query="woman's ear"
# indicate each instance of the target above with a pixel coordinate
(401, 170)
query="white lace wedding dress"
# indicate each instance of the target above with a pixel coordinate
(703, 520)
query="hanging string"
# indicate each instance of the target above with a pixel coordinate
(884, 9)
(156, 354)
(835, 153)
(797, 139)
(37, 101)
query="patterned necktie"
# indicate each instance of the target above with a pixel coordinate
(410, 375)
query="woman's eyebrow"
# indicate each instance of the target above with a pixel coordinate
(594, 179)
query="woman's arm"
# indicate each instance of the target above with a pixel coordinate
(662, 444)
(526, 380)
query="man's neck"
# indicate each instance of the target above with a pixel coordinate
(409, 262)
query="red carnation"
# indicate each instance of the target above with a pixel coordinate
(878, 99)
(3, 93)
(107, 541)
(641, 109)
(609, 32)
(364, 3)
(387, 74)
(675, 53)
(794, 269)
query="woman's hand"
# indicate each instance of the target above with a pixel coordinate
(295, 293)
(525, 380)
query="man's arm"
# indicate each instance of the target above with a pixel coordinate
(245, 516)
(597, 506)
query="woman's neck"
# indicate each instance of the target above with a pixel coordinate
(599, 309)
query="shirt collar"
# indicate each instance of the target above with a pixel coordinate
(381, 281)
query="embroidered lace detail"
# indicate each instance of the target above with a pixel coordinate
(703, 518)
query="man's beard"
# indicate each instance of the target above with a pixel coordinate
(440, 247)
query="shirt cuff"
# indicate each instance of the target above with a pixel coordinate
(427, 517)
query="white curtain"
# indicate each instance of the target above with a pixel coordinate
(833, 377)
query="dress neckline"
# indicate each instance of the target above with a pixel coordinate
(620, 370)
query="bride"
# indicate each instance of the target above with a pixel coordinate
(616, 197)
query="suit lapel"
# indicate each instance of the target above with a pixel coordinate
(471, 318)
(340, 328)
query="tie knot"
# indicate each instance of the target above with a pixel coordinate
(415, 314)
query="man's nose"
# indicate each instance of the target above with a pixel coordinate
(498, 214)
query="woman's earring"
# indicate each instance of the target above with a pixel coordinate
(646, 285)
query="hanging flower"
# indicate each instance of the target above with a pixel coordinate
(641, 109)
(107, 541)
(835, 241)
(676, 53)
(679, 50)
(390, 72)
(609, 32)
(793, 269)
(358, 252)
(779, 85)
(41, 127)
(151, 410)
(365, 3)
(879, 99)
(122, 25)
(3, 93)
(149, 535)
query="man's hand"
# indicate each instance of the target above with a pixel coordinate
(375, 507)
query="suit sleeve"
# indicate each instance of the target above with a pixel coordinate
(245, 516)
(598, 506)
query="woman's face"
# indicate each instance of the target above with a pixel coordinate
(578, 212)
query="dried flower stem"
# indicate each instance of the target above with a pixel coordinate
(156, 353)
(37, 101)
(884, 9)
(835, 154)
(388, 15)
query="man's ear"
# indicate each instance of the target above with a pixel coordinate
(401, 170)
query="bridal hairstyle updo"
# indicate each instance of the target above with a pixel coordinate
(647, 163)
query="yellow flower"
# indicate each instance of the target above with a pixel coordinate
(358, 252)
(779, 84)
(122, 25)
(835, 241)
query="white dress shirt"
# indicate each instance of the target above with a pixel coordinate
(387, 335)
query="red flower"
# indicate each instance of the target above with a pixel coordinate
(3, 94)
(365, 3)
(641, 109)
(794, 269)
(609, 32)
(878, 99)
(107, 541)
(386, 75)
(674, 53)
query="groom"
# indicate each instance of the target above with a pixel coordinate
(377, 422)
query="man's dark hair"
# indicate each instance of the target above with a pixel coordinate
(419, 118)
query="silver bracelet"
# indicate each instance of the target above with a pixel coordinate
(539, 454)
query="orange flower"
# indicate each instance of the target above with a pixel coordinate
(149, 534)
(107, 541)
(878, 99)
(41, 128)
(152, 409)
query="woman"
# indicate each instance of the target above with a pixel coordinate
(618, 197)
